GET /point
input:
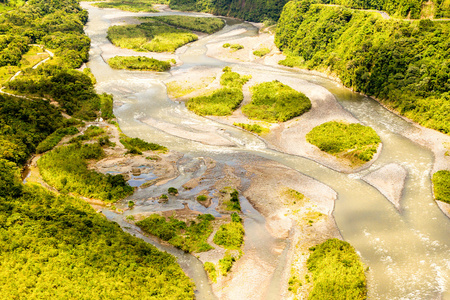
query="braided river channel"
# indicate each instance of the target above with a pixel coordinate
(407, 251)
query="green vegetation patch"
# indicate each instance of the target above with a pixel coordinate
(236, 47)
(207, 25)
(189, 238)
(441, 185)
(133, 6)
(211, 271)
(337, 272)
(352, 141)
(226, 263)
(275, 102)
(152, 36)
(261, 51)
(56, 246)
(137, 146)
(66, 169)
(224, 101)
(258, 129)
(231, 199)
(230, 235)
(138, 63)
(53, 139)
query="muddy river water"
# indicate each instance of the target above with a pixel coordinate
(407, 251)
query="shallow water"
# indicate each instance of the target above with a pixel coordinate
(408, 252)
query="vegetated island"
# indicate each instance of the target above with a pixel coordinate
(275, 102)
(353, 142)
(139, 63)
(224, 101)
(127, 5)
(202, 24)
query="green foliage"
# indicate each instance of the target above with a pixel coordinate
(236, 47)
(226, 45)
(72, 89)
(106, 106)
(57, 25)
(405, 64)
(207, 25)
(10, 184)
(233, 202)
(131, 204)
(89, 134)
(138, 63)
(53, 139)
(230, 235)
(23, 125)
(226, 263)
(249, 10)
(136, 145)
(224, 101)
(337, 272)
(261, 51)
(352, 140)
(294, 284)
(258, 129)
(172, 191)
(58, 247)
(66, 169)
(164, 197)
(202, 198)
(441, 185)
(190, 238)
(211, 271)
(275, 102)
(127, 5)
(151, 36)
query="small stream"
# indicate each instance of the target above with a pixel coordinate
(407, 252)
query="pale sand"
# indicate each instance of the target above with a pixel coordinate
(390, 181)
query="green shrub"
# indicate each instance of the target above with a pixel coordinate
(202, 198)
(226, 45)
(211, 271)
(275, 102)
(337, 272)
(232, 79)
(236, 47)
(136, 145)
(441, 185)
(138, 63)
(226, 263)
(106, 106)
(153, 37)
(353, 141)
(230, 235)
(163, 197)
(261, 51)
(172, 191)
(258, 129)
(208, 25)
(131, 204)
(66, 169)
(190, 238)
(53, 139)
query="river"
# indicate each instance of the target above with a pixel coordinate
(407, 251)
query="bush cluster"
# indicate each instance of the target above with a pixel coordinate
(441, 184)
(138, 63)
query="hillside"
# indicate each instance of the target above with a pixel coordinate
(405, 64)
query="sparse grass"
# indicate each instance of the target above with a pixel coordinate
(292, 61)
(230, 235)
(275, 102)
(258, 129)
(151, 36)
(355, 142)
(133, 6)
(441, 185)
(33, 56)
(226, 263)
(189, 238)
(221, 102)
(207, 25)
(176, 89)
(89, 134)
(294, 196)
(7, 72)
(338, 273)
(231, 199)
(261, 51)
(138, 63)
(294, 284)
(53, 139)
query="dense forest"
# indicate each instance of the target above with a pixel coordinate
(264, 10)
(405, 64)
